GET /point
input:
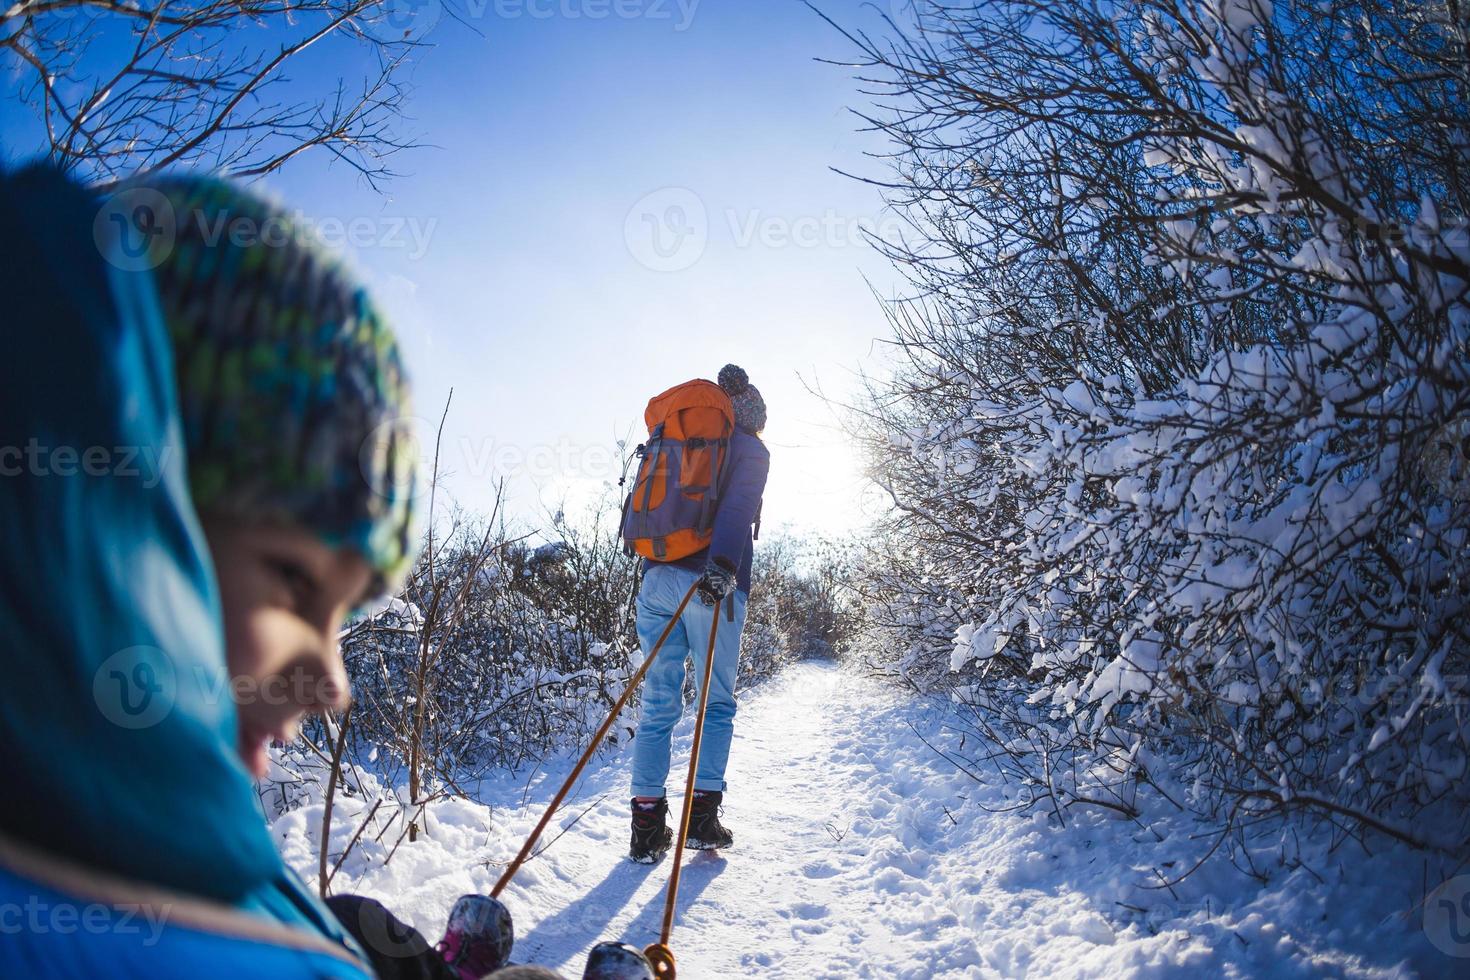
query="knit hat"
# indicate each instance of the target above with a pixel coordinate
(291, 390)
(750, 407)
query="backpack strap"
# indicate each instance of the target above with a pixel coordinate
(623, 524)
(711, 502)
(652, 448)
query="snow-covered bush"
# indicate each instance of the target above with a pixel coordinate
(499, 653)
(801, 606)
(1177, 434)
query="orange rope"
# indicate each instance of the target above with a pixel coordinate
(673, 895)
(566, 787)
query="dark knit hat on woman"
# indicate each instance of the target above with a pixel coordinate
(292, 394)
(750, 407)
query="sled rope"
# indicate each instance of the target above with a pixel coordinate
(612, 716)
(660, 956)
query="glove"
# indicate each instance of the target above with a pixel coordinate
(717, 582)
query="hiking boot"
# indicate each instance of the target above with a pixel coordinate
(706, 833)
(479, 936)
(652, 837)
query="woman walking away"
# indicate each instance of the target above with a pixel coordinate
(670, 522)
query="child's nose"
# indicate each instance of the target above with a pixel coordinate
(336, 689)
(330, 689)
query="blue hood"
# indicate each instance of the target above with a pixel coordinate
(115, 716)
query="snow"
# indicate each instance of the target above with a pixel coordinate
(861, 853)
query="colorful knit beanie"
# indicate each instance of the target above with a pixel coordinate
(293, 397)
(750, 407)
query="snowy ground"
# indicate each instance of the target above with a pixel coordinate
(860, 853)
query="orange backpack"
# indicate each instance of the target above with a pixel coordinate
(670, 512)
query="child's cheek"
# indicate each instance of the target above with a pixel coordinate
(261, 648)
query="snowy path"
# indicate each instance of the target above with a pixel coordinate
(860, 853)
(798, 896)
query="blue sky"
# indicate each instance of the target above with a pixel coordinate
(608, 205)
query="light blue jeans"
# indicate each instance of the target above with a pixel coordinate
(663, 687)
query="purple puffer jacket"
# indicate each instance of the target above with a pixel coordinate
(745, 483)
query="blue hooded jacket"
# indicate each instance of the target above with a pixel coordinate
(121, 784)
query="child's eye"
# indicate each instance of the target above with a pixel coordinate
(296, 580)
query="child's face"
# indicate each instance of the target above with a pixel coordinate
(285, 596)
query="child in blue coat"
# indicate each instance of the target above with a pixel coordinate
(131, 842)
(295, 408)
